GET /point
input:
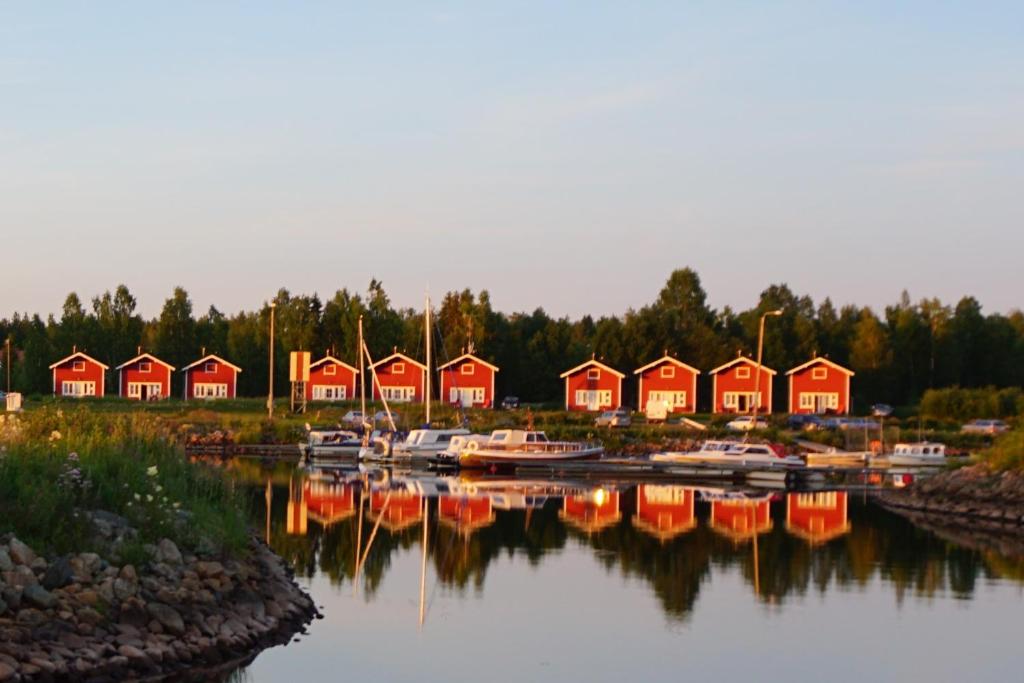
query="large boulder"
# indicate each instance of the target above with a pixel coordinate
(39, 596)
(167, 616)
(21, 553)
(58, 574)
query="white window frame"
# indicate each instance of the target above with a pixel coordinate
(330, 369)
(674, 399)
(78, 366)
(594, 373)
(819, 373)
(145, 366)
(668, 372)
(210, 368)
(329, 392)
(210, 390)
(467, 369)
(77, 388)
(466, 396)
(398, 368)
(602, 398)
(809, 399)
(399, 394)
(743, 372)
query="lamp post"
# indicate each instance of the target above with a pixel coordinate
(756, 403)
(270, 391)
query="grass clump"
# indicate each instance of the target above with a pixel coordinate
(1008, 452)
(57, 465)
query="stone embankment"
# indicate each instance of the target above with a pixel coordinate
(80, 617)
(969, 496)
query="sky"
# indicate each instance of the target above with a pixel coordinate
(564, 155)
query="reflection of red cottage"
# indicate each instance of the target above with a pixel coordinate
(79, 375)
(402, 379)
(669, 380)
(591, 512)
(331, 380)
(741, 519)
(733, 387)
(329, 502)
(819, 386)
(664, 511)
(144, 378)
(210, 377)
(468, 381)
(817, 517)
(403, 509)
(465, 514)
(592, 386)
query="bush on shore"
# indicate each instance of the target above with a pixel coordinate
(1008, 452)
(966, 404)
(58, 465)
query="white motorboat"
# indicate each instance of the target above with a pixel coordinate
(427, 443)
(731, 453)
(450, 454)
(327, 443)
(919, 454)
(520, 446)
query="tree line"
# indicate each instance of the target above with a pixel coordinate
(897, 353)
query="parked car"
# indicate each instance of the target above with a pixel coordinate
(613, 418)
(846, 423)
(510, 403)
(985, 427)
(353, 418)
(805, 423)
(382, 416)
(745, 423)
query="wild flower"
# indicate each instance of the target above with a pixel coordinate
(55, 435)
(152, 471)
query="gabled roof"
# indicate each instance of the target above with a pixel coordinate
(213, 357)
(79, 354)
(669, 359)
(595, 363)
(145, 355)
(332, 359)
(741, 359)
(821, 359)
(469, 356)
(402, 356)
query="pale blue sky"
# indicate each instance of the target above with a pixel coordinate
(565, 155)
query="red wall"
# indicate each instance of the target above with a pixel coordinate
(222, 375)
(585, 513)
(606, 382)
(329, 502)
(806, 513)
(685, 380)
(464, 510)
(412, 377)
(835, 381)
(91, 373)
(665, 509)
(482, 377)
(726, 380)
(342, 377)
(158, 373)
(741, 517)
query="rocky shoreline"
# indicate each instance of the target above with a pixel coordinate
(974, 496)
(177, 616)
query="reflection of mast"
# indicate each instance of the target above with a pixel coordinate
(269, 497)
(359, 538)
(423, 568)
(373, 534)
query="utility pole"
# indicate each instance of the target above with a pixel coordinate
(8, 343)
(270, 391)
(756, 403)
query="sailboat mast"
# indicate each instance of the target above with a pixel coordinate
(426, 321)
(362, 379)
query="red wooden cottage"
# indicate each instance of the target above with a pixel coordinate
(664, 511)
(817, 517)
(670, 381)
(592, 386)
(144, 378)
(819, 386)
(331, 380)
(402, 379)
(210, 377)
(741, 519)
(396, 509)
(465, 514)
(591, 512)
(79, 375)
(329, 502)
(468, 381)
(733, 387)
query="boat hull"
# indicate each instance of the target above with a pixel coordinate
(484, 457)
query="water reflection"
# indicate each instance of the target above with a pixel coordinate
(345, 525)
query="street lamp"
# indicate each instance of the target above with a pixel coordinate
(756, 403)
(270, 391)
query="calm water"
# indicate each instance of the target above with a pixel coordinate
(539, 580)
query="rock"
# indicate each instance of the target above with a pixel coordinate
(209, 570)
(3, 607)
(58, 574)
(90, 616)
(89, 598)
(12, 596)
(40, 597)
(124, 589)
(128, 573)
(6, 563)
(106, 590)
(6, 672)
(21, 553)
(39, 565)
(167, 616)
(21, 576)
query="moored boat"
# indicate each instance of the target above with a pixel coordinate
(520, 446)
(919, 454)
(729, 452)
(330, 443)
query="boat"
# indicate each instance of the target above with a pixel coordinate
(427, 443)
(918, 454)
(523, 447)
(449, 455)
(330, 442)
(729, 452)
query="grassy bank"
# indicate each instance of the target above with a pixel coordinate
(1007, 453)
(58, 463)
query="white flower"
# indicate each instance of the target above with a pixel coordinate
(177, 505)
(159, 488)
(149, 498)
(138, 497)
(55, 435)
(151, 471)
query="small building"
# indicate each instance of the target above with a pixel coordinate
(465, 514)
(817, 517)
(331, 379)
(468, 382)
(733, 387)
(79, 375)
(396, 509)
(819, 386)
(740, 520)
(210, 377)
(668, 380)
(402, 379)
(144, 378)
(591, 512)
(592, 386)
(664, 511)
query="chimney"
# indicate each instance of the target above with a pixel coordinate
(138, 350)
(202, 352)
(74, 348)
